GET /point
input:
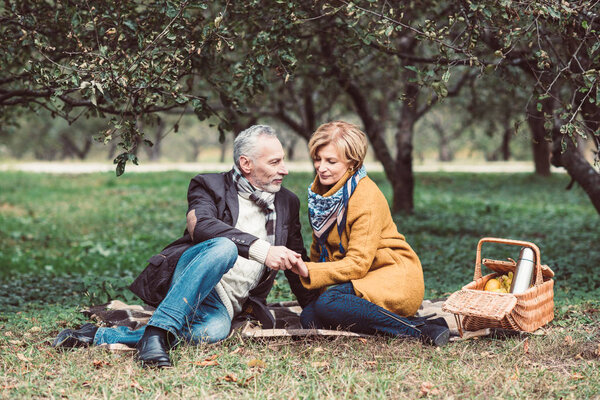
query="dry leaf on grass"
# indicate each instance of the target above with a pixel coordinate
(577, 376)
(568, 340)
(319, 364)
(428, 389)
(229, 378)
(100, 363)
(526, 346)
(137, 386)
(35, 329)
(22, 357)
(237, 350)
(206, 363)
(256, 363)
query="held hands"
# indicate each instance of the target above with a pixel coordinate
(282, 258)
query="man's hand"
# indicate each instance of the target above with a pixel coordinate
(282, 258)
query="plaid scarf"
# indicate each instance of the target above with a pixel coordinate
(324, 212)
(264, 200)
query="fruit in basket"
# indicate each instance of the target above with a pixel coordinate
(492, 285)
(506, 281)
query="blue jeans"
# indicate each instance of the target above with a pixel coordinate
(192, 309)
(340, 307)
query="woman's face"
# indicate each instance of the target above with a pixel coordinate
(330, 165)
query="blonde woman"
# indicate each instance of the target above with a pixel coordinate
(370, 277)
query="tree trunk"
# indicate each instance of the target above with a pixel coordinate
(541, 150)
(403, 181)
(506, 136)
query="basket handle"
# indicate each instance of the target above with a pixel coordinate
(536, 250)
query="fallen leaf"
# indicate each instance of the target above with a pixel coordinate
(427, 389)
(137, 386)
(100, 363)
(568, 340)
(577, 376)
(16, 342)
(229, 378)
(210, 361)
(318, 349)
(319, 364)
(363, 340)
(247, 380)
(35, 329)
(22, 357)
(237, 350)
(526, 346)
(206, 363)
(256, 363)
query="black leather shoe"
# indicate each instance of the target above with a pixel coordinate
(153, 348)
(82, 337)
(433, 334)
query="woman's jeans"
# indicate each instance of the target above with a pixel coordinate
(340, 307)
(192, 309)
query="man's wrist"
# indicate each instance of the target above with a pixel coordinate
(258, 250)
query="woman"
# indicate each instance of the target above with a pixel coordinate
(370, 277)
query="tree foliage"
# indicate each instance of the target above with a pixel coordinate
(389, 63)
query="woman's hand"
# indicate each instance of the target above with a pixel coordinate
(282, 258)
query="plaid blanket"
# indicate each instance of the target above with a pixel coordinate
(287, 317)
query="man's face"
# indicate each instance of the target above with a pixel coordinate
(266, 169)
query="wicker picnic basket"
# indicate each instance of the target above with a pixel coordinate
(525, 311)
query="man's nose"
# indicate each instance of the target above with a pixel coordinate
(283, 169)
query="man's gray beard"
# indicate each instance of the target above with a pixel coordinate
(271, 188)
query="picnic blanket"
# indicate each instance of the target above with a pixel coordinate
(287, 317)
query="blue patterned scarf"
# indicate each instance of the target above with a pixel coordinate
(325, 212)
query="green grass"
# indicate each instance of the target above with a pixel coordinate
(70, 241)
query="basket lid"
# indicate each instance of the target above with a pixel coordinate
(479, 303)
(510, 265)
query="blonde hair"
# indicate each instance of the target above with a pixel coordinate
(347, 138)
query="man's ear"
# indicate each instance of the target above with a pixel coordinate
(246, 165)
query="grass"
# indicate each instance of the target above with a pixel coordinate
(70, 241)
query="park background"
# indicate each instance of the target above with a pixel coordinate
(509, 89)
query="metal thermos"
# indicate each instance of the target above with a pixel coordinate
(524, 273)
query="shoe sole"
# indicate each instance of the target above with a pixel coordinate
(156, 365)
(442, 338)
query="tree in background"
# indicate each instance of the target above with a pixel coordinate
(388, 63)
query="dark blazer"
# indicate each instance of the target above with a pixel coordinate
(214, 199)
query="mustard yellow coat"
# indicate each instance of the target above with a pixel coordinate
(381, 265)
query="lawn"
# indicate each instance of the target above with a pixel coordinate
(67, 241)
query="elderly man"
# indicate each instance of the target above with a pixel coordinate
(242, 227)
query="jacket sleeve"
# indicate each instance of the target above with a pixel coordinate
(204, 222)
(295, 242)
(363, 241)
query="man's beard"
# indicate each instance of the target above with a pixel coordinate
(269, 186)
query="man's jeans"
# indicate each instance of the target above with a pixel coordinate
(340, 307)
(192, 309)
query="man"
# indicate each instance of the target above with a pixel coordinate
(242, 227)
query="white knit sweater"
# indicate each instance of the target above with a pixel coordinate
(235, 285)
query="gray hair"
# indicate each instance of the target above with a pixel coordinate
(245, 143)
